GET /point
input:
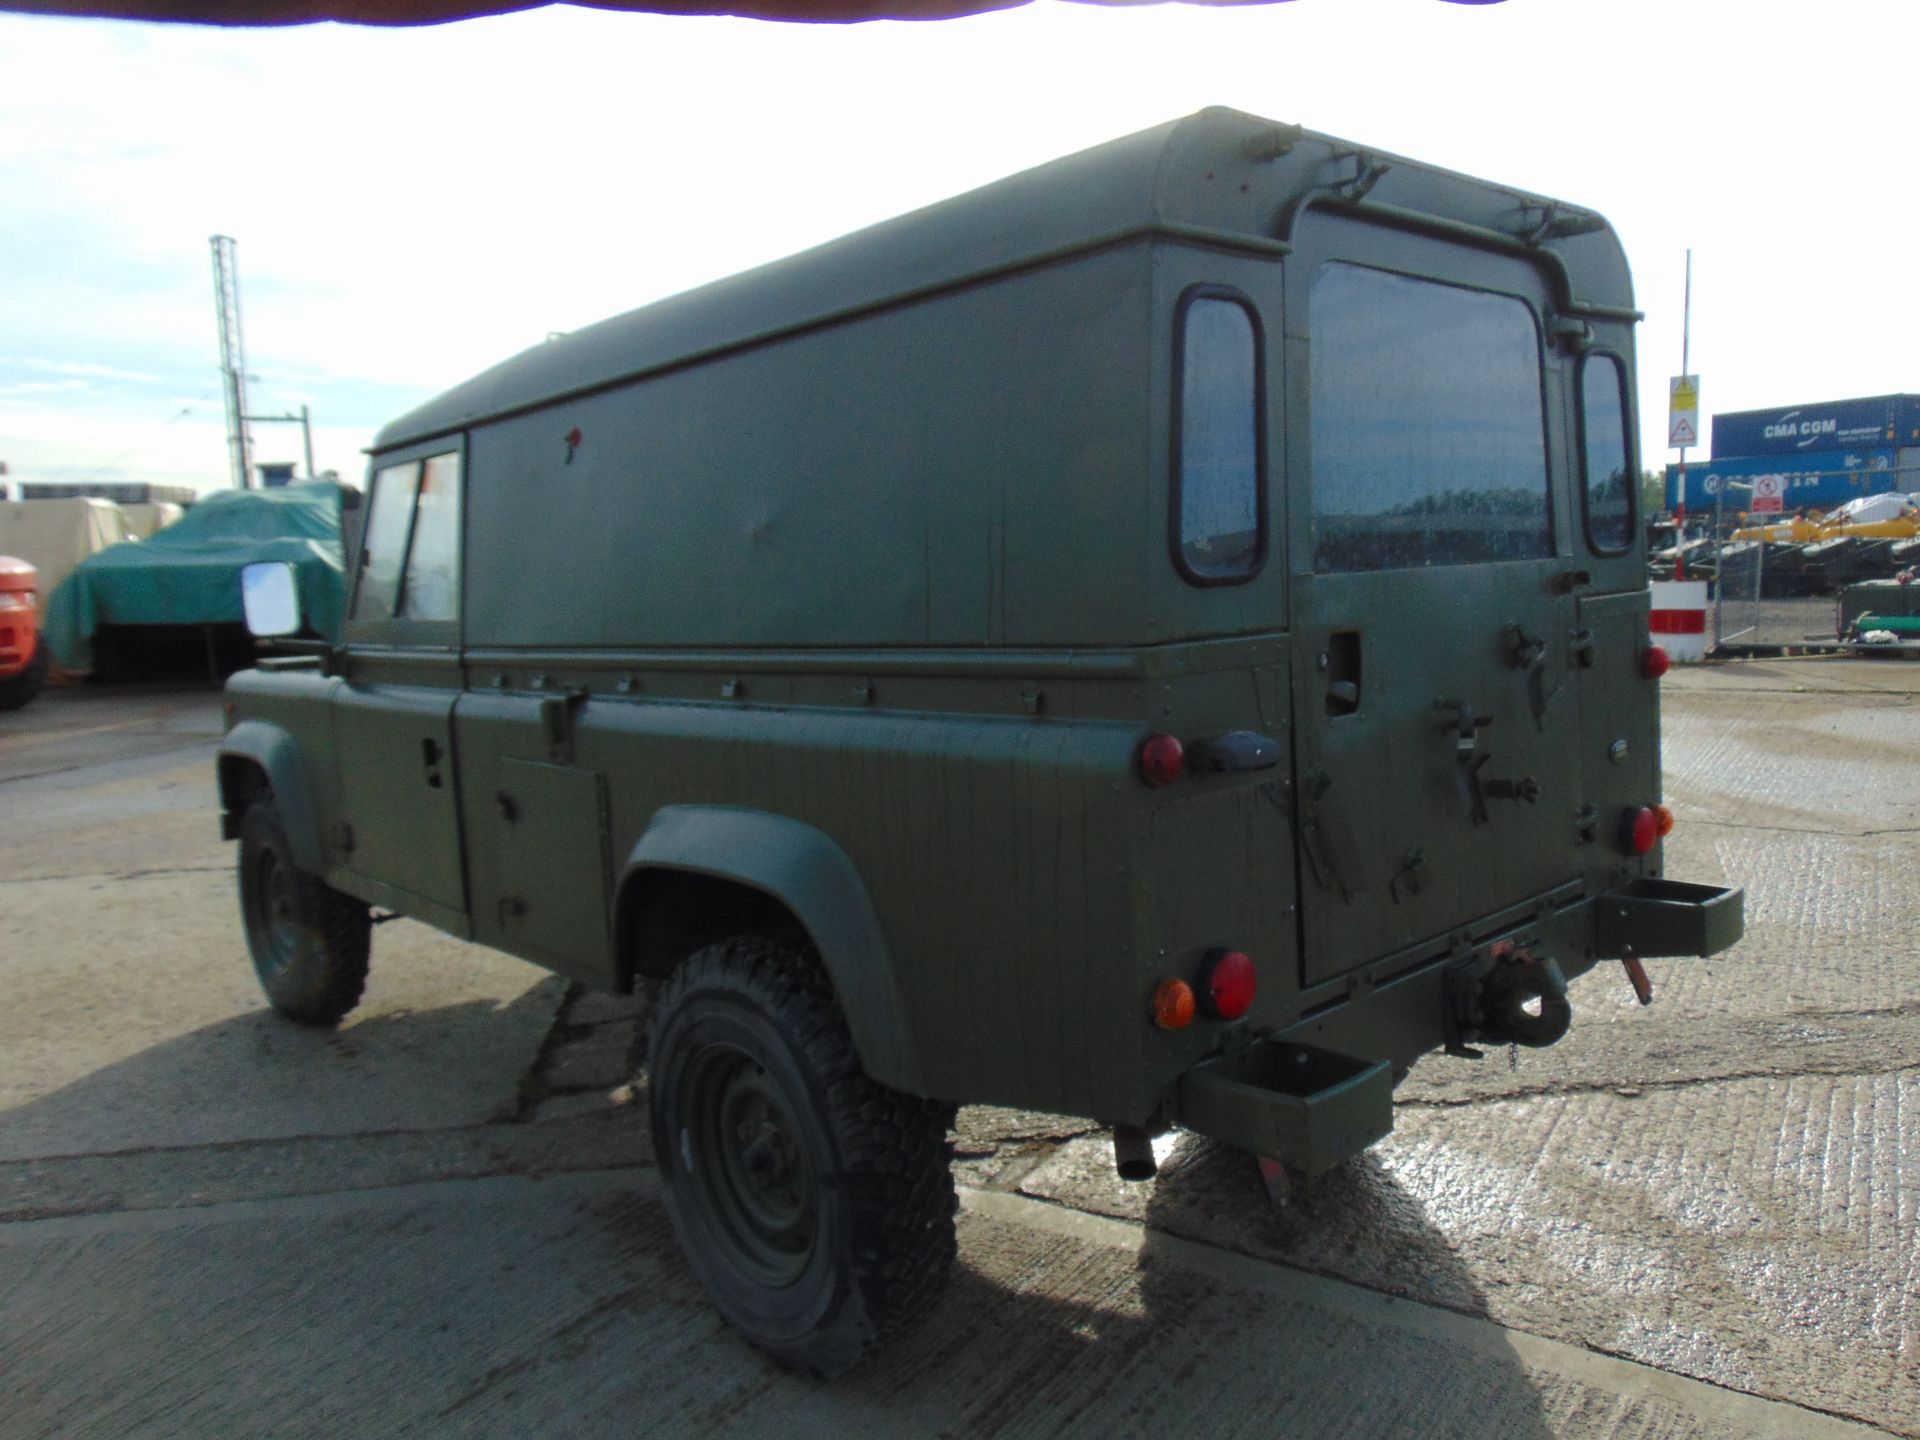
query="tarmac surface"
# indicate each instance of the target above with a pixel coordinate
(1693, 1220)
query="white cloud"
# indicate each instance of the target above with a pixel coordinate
(413, 205)
(78, 368)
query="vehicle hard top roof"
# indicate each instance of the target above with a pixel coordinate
(1218, 177)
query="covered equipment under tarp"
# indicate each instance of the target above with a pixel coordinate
(189, 573)
(151, 516)
(53, 536)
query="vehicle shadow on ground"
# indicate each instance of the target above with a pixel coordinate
(501, 1305)
(257, 1077)
(1238, 1348)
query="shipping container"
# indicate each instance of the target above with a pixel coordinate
(1827, 425)
(1817, 481)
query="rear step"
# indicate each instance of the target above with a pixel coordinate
(1303, 1106)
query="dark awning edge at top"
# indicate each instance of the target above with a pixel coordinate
(439, 12)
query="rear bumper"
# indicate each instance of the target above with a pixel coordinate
(1650, 918)
(1308, 1101)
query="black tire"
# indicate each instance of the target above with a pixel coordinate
(17, 690)
(815, 1204)
(310, 944)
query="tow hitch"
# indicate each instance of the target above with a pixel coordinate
(1508, 996)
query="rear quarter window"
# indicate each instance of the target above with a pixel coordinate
(1219, 435)
(1606, 454)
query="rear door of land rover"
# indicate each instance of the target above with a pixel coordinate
(1436, 728)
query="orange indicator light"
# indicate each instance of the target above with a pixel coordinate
(1173, 1004)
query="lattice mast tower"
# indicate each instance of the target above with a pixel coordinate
(233, 361)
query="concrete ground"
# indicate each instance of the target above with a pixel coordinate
(1698, 1219)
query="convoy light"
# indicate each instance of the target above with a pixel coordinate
(1663, 820)
(1173, 1004)
(1655, 662)
(1639, 830)
(1228, 982)
(1163, 760)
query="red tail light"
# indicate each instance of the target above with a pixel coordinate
(1227, 983)
(1639, 830)
(1163, 760)
(1655, 662)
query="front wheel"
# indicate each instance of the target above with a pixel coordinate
(815, 1204)
(310, 944)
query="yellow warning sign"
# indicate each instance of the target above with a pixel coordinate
(1683, 411)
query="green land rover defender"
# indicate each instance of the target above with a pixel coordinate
(1161, 638)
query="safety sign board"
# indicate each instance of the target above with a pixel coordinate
(1683, 411)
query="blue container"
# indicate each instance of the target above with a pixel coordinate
(1906, 418)
(1813, 481)
(1830, 425)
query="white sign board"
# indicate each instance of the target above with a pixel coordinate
(1769, 494)
(1683, 411)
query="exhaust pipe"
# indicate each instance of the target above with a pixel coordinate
(1133, 1153)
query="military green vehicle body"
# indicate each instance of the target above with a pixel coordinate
(841, 599)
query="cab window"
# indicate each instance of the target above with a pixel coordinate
(430, 588)
(1219, 522)
(410, 556)
(384, 547)
(1607, 470)
(1429, 425)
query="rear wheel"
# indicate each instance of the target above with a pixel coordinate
(815, 1204)
(17, 690)
(310, 944)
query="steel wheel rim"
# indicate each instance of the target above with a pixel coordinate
(276, 920)
(743, 1147)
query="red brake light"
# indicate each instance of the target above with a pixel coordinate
(1639, 830)
(1655, 662)
(1228, 983)
(1163, 760)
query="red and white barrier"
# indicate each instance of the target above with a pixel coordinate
(1679, 622)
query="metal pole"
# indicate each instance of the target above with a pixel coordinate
(306, 430)
(1719, 543)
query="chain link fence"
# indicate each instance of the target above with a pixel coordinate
(1789, 589)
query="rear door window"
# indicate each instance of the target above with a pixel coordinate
(1429, 424)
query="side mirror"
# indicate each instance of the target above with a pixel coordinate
(270, 598)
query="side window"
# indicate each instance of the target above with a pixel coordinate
(1607, 471)
(1220, 530)
(383, 549)
(1429, 424)
(431, 586)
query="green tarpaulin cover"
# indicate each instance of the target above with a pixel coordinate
(189, 573)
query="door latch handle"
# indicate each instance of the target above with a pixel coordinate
(1464, 726)
(1526, 651)
(1233, 752)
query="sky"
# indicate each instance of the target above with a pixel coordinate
(411, 206)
